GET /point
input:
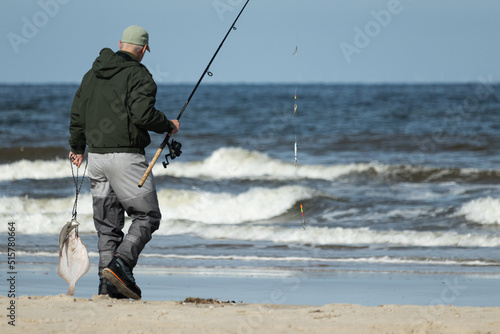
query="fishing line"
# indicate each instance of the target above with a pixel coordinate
(295, 146)
(175, 147)
(78, 186)
(295, 149)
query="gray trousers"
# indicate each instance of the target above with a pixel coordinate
(113, 183)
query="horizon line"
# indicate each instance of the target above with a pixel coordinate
(34, 83)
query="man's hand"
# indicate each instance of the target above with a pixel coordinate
(76, 159)
(176, 124)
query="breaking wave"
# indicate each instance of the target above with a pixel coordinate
(46, 216)
(240, 216)
(331, 236)
(239, 163)
(485, 211)
(295, 259)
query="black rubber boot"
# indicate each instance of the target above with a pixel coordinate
(119, 274)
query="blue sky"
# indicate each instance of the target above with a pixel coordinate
(339, 41)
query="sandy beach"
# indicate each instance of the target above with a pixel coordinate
(343, 302)
(65, 314)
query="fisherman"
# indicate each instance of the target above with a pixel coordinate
(112, 112)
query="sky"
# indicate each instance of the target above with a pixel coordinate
(337, 41)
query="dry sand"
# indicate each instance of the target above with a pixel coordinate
(64, 314)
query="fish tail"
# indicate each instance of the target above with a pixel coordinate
(71, 290)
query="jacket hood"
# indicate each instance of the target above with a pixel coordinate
(109, 63)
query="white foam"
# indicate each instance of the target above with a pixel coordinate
(39, 216)
(330, 236)
(44, 216)
(231, 216)
(381, 259)
(223, 208)
(37, 169)
(250, 258)
(482, 211)
(234, 162)
(224, 163)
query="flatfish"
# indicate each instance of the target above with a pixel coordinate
(73, 256)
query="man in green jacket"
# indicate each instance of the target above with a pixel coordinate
(112, 112)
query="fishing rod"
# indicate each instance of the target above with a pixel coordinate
(174, 147)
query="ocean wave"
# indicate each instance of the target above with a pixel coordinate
(35, 169)
(374, 259)
(47, 216)
(223, 208)
(331, 236)
(224, 163)
(215, 216)
(485, 211)
(295, 259)
(44, 216)
(239, 163)
(416, 174)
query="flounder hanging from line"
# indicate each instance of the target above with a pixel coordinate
(73, 256)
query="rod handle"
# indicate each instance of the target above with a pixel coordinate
(150, 167)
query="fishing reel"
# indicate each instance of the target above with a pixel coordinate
(174, 148)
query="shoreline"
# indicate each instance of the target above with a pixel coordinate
(275, 286)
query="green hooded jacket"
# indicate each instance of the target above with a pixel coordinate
(114, 107)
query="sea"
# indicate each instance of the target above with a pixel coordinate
(273, 179)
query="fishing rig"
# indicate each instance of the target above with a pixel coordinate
(174, 147)
(295, 149)
(73, 223)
